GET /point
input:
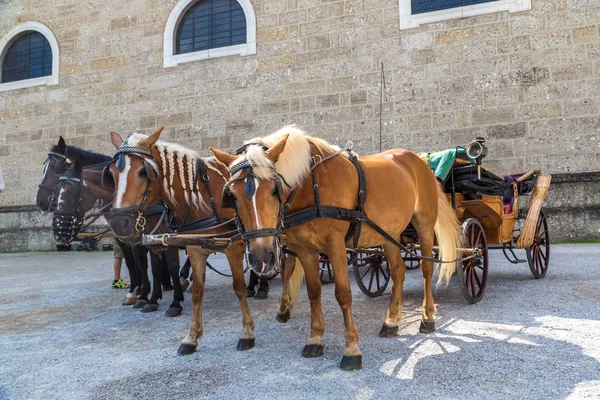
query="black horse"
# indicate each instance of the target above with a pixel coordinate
(77, 192)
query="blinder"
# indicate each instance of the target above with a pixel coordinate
(151, 171)
(227, 199)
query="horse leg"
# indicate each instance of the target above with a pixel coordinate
(263, 288)
(352, 358)
(285, 299)
(185, 274)
(252, 282)
(397, 271)
(235, 256)
(315, 344)
(165, 275)
(171, 255)
(426, 240)
(130, 262)
(198, 260)
(142, 261)
(156, 262)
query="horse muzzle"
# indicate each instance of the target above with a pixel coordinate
(66, 226)
(127, 223)
(264, 261)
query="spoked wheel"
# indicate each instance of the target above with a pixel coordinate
(538, 255)
(325, 269)
(472, 273)
(371, 272)
(410, 260)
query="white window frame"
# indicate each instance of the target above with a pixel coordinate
(171, 59)
(409, 21)
(9, 39)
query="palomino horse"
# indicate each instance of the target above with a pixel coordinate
(288, 171)
(146, 169)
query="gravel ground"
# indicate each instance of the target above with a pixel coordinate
(64, 335)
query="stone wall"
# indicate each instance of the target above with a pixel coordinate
(529, 82)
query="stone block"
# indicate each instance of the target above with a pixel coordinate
(493, 115)
(318, 42)
(106, 63)
(585, 34)
(572, 72)
(537, 111)
(506, 131)
(419, 123)
(581, 107)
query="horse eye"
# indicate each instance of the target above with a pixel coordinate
(142, 172)
(274, 191)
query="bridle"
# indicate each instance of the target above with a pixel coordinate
(250, 178)
(56, 157)
(135, 211)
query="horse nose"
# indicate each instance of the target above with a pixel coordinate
(262, 260)
(122, 227)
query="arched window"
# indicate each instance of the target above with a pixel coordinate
(28, 57)
(200, 29)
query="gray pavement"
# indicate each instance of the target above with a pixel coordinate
(64, 335)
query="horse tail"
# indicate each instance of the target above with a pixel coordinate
(295, 283)
(447, 232)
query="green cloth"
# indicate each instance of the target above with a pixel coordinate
(441, 162)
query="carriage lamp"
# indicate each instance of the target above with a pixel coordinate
(477, 150)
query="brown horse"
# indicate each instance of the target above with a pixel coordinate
(152, 169)
(401, 189)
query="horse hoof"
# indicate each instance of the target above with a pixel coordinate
(285, 317)
(129, 301)
(313, 350)
(185, 349)
(140, 303)
(184, 284)
(250, 293)
(245, 344)
(174, 312)
(150, 308)
(388, 331)
(427, 326)
(261, 295)
(351, 363)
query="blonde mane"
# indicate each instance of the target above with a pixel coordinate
(294, 161)
(181, 161)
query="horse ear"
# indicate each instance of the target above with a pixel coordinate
(150, 140)
(223, 157)
(274, 152)
(61, 144)
(116, 139)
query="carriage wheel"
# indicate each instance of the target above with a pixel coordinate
(410, 260)
(325, 269)
(371, 272)
(538, 255)
(472, 273)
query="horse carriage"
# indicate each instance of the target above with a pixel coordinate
(487, 205)
(298, 199)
